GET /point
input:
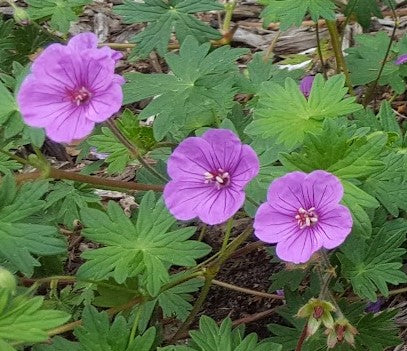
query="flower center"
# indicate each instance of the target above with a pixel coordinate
(81, 96)
(306, 218)
(221, 178)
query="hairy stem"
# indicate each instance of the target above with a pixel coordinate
(340, 60)
(302, 338)
(229, 8)
(319, 49)
(133, 149)
(371, 91)
(16, 158)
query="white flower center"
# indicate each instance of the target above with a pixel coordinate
(306, 218)
(81, 96)
(220, 178)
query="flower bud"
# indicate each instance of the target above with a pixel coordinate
(342, 331)
(7, 280)
(21, 16)
(318, 312)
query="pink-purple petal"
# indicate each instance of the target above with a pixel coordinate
(401, 59)
(321, 189)
(221, 205)
(334, 226)
(272, 226)
(299, 247)
(247, 167)
(285, 194)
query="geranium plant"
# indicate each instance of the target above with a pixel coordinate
(104, 244)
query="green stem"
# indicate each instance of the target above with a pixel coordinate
(319, 49)
(133, 150)
(229, 8)
(135, 324)
(16, 158)
(371, 91)
(229, 226)
(212, 271)
(340, 60)
(347, 20)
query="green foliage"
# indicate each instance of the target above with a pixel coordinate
(146, 247)
(165, 17)
(97, 334)
(202, 84)
(364, 10)
(18, 42)
(20, 239)
(365, 60)
(23, 320)
(292, 12)
(281, 107)
(211, 337)
(66, 199)
(61, 12)
(377, 332)
(373, 264)
(58, 344)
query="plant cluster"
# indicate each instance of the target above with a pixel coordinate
(314, 164)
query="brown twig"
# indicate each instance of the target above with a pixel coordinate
(302, 338)
(96, 181)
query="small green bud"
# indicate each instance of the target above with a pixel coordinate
(318, 312)
(21, 16)
(7, 280)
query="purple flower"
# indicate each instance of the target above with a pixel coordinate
(71, 88)
(374, 307)
(208, 175)
(401, 59)
(302, 214)
(306, 85)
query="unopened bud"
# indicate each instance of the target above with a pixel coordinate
(7, 280)
(21, 16)
(342, 331)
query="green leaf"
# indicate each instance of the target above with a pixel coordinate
(201, 86)
(371, 265)
(58, 344)
(166, 17)
(211, 337)
(61, 12)
(292, 12)
(8, 105)
(358, 201)
(66, 199)
(390, 186)
(96, 334)
(20, 240)
(279, 108)
(147, 247)
(118, 154)
(23, 320)
(365, 60)
(364, 10)
(377, 332)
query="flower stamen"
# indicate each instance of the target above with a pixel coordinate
(219, 177)
(81, 96)
(306, 218)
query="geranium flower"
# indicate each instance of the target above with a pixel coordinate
(302, 214)
(401, 59)
(208, 175)
(306, 85)
(71, 88)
